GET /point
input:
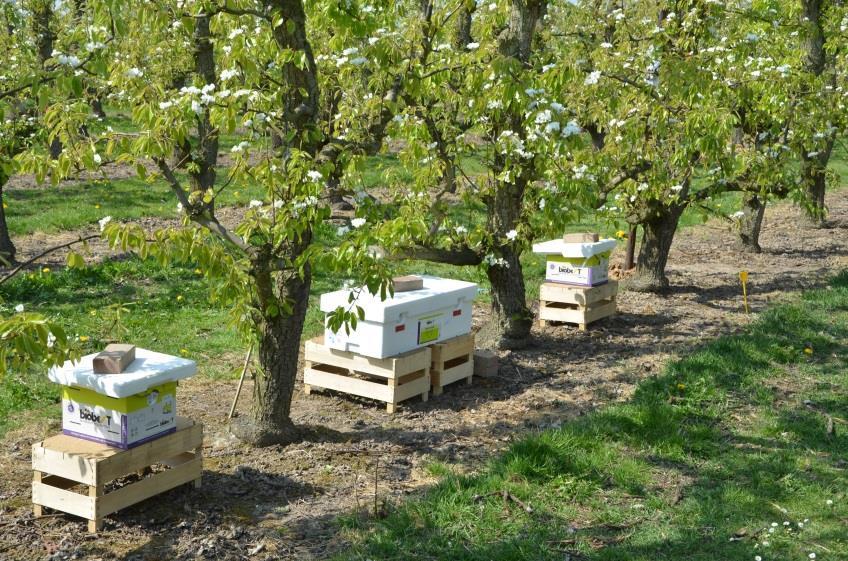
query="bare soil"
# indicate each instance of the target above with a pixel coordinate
(282, 502)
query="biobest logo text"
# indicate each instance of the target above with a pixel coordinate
(89, 415)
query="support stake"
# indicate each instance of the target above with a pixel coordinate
(241, 381)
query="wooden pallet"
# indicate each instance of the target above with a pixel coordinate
(392, 380)
(576, 304)
(452, 360)
(63, 464)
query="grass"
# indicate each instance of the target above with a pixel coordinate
(700, 464)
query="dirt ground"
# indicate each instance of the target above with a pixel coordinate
(282, 502)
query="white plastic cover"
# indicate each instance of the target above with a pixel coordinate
(588, 249)
(437, 293)
(147, 370)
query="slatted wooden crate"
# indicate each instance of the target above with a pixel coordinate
(576, 304)
(452, 360)
(392, 380)
(63, 465)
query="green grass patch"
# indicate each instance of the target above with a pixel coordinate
(725, 455)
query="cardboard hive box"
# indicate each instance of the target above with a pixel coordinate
(439, 311)
(578, 263)
(126, 409)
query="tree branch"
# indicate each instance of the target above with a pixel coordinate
(44, 253)
(458, 256)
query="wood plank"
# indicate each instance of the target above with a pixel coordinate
(452, 348)
(553, 312)
(187, 437)
(582, 296)
(451, 375)
(148, 487)
(391, 367)
(419, 386)
(80, 468)
(581, 237)
(56, 481)
(64, 500)
(346, 384)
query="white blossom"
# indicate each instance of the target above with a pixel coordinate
(358, 61)
(357, 222)
(314, 175)
(134, 72)
(103, 221)
(97, 158)
(254, 204)
(592, 78)
(511, 235)
(19, 308)
(472, 46)
(342, 230)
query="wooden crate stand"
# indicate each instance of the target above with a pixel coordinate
(576, 304)
(61, 463)
(452, 360)
(392, 380)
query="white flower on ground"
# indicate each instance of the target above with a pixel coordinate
(19, 308)
(472, 46)
(812, 556)
(828, 502)
(357, 222)
(758, 558)
(736, 216)
(254, 203)
(511, 235)
(592, 78)
(103, 221)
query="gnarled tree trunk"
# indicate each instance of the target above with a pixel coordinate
(753, 210)
(511, 318)
(658, 234)
(278, 354)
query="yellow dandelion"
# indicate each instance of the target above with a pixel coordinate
(92, 313)
(620, 234)
(235, 193)
(83, 338)
(5, 205)
(808, 351)
(45, 270)
(198, 272)
(97, 206)
(179, 297)
(681, 387)
(184, 352)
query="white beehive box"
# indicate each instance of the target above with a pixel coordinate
(409, 320)
(580, 263)
(126, 409)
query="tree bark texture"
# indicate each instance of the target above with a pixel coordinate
(753, 209)
(7, 248)
(657, 235)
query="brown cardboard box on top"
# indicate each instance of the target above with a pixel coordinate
(114, 359)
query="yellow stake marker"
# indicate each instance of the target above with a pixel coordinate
(743, 276)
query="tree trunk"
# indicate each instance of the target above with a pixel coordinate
(753, 208)
(813, 168)
(657, 235)
(814, 179)
(511, 320)
(630, 255)
(278, 355)
(7, 248)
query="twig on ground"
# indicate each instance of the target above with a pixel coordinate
(507, 497)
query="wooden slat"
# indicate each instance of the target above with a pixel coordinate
(391, 367)
(61, 499)
(582, 296)
(148, 487)
(419, 386)
(188, 436)
(56, 481)
(452, 375)
(452, 348)
(347, 384)
(582, 316)
(77, 467)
